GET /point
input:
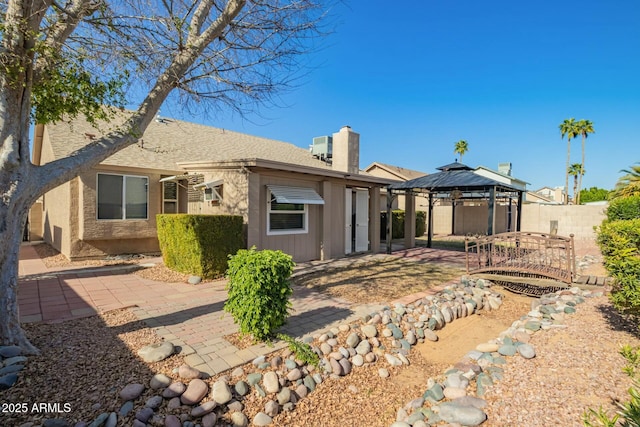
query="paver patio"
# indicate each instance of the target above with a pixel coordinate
(192, 316)
(189, 316)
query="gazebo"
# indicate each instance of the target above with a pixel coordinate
(456, 182)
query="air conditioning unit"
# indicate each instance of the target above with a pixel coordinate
(322, 147)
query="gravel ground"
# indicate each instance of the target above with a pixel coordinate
(574, 369)
(86, 362)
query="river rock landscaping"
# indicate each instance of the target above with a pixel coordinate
(273, 386)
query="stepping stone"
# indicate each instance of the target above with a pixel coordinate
(156, 352)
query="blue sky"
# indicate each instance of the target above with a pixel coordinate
(502, 75)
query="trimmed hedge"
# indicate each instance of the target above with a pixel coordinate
(199, 244)
(397, 226)
(624, 208)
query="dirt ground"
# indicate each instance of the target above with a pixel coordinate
(463, 335)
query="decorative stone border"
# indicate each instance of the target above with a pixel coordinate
(384, 337)
(458, 398)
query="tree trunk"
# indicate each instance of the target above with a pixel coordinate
(566, 173)
(581, 172)
(11, 333)
(17, 196)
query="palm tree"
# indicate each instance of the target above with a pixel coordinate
(583, 128)
(575, 170)
(629, 184)
(461, 147)
(568, 127)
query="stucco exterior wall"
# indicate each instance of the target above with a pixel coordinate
(36, 222)
(245, 193)
(56, 225)
(235, 200)
(93, 237)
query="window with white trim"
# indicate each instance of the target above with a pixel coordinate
(122, 196)
(286, 218)
(170, 197)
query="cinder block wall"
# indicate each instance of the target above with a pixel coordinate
(577, 220)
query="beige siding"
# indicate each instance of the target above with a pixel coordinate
(305, 246)
(93, 237)
(336, 209)
(46, 155)
(56, 224)
(36, 222)
(382, 173)
(234, 194)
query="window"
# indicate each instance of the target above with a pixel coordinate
(287, 218)
(122, 196)
(288, 209)
(213, 194)
(169, 197)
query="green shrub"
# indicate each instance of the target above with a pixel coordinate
(397, 230)
(619, 243)
(199, 244)
(259, 291)
(302, 350)
(624, 208)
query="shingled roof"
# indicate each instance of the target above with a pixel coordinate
(400, 172)
(167, 142)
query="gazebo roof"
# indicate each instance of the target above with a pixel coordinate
(454, 166)
(454, 176)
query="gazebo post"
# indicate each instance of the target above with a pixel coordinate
(518, 218)
(509, 214)
(430, 221)
(492, 211)
(389, 219)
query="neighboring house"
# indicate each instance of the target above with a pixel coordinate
(555, 195)
(397, 173)
(289, 198)
(503, 174)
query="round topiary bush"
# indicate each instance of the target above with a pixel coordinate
(259, 291)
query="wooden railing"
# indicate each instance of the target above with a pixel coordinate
(522, 254)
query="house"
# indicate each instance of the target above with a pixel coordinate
(503, 174)
(384, 170)
(555, 195)
(311, 204)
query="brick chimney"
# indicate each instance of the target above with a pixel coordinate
(346, 151)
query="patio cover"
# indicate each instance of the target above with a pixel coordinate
(455, 181)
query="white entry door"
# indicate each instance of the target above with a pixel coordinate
(362, 220)
(348, 218)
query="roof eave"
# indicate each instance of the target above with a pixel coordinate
(282, 166)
